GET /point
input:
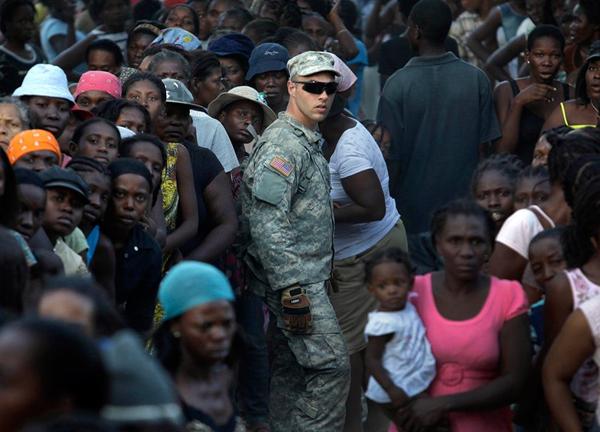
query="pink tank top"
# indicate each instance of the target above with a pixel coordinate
(584, 384)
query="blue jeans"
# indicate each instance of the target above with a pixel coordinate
(253, 383)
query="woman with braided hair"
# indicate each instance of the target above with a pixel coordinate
(574, 376)
(510, 257)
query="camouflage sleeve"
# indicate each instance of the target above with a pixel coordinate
(276, 171)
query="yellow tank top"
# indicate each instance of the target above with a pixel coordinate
(572, 126)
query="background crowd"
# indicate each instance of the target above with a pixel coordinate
(289, 215)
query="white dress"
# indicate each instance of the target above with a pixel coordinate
(407, 357)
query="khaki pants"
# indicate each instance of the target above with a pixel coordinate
(352, 301)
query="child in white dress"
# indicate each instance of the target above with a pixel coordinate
(399, 358)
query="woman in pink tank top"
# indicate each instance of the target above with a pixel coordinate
(477, 326)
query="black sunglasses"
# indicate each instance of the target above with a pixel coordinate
(316, 87)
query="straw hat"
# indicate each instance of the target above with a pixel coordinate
(241, 93)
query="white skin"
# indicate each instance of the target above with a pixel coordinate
(307, 108)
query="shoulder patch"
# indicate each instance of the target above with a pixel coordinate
(281, 165)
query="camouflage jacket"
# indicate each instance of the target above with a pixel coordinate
(286, 207)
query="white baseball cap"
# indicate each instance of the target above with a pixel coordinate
(45, 80)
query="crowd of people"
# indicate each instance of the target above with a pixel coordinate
(299, 215)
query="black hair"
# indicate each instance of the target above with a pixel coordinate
(296, 38)
(111, 110)
(406, 6)
(553, 233)
(9, 203)
(291, 15)
(138, 27)
(581, 171)
(68, 364)
(591, 9)
(204, 63)
(566, 148)
(124, 165)
(546, 31)
(108, 46)
(80, 129)
(581, 94)
(84, 164)
(322, 7)
(128, 143)
(167, 55)
(157, 48)
(95, 7)
(461, 207)
(262, 27)
(15, 274)
(106, 319)
(146, 10)
(586, 213)
(508, 165)
(433, 18)
(531, 172)
(392, 254)
(8, 9)
(239, 14)
(190, 9)
(145, 76)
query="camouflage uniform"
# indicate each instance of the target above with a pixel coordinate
(287, 209)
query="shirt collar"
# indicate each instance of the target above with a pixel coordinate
(447, 57)
(313, 136)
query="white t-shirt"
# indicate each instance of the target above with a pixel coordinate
(357, 151)
(591, 311)
(518, 230)
(211, 134)
(407, 356)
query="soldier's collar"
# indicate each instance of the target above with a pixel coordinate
(314, 136)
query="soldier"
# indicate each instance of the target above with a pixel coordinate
(285, 198)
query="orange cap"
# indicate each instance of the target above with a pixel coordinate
(30, 141)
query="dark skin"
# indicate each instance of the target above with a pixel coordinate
(274, 85)
(576, 112)
(64, 10)
(368, 205)
(221, 210)
(203, 379)
(505, 263)
(540, 93)
(50, 114)
(573, 345)
(460, 292)
(20, 30)
(363, 188)
(172, 128)
(389, 281)
(104, 261)
(487, 30)
(136, 46)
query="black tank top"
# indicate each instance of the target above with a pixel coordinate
(530, 127)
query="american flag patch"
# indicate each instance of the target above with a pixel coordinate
(281, 165)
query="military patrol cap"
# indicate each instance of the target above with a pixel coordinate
(310, 63)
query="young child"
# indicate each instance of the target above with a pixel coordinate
(66, 196)
(399, 357)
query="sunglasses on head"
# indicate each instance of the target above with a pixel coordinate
(316, 87)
